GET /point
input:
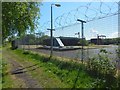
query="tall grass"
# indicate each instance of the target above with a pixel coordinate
(73, 74)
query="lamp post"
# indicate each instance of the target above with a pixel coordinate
(51, 33)
(82, 36)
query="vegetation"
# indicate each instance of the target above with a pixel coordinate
(99, 71)
(18, 17)
(31, 39)
(45, 79)
(111, 41)
(100, 74)
(66, 71)
(0, 66)
(102, 64)
(106, 41)
(118, 52)
(6, 79)
(85, 42)
(104, 69)
(62, 73)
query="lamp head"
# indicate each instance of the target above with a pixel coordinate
(58, 5)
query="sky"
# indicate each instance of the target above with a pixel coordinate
(67, 14)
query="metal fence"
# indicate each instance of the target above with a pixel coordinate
(102, 19)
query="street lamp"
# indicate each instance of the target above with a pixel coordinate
(57, 5)
(82, 36)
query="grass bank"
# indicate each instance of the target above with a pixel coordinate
(57, 73)
(72, 74)
(66, 71)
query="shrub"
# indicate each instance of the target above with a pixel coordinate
(102, 64)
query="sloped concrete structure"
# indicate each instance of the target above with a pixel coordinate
(63, 41)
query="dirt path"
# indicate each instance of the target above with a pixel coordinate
(20, 71)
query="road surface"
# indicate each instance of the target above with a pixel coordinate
(76, 54)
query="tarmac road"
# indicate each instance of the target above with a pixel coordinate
(76, 54)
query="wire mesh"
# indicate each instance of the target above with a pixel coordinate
(98, 15)
(102, 19)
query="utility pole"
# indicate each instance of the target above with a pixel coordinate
(98, 39)
(51, 33)
(82, 57)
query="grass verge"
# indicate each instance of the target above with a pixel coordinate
(0, 67)
(57, 73)
(65, 72)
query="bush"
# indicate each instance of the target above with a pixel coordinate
(102, 64)
(118, 52)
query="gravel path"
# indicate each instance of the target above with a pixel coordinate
(21, 72)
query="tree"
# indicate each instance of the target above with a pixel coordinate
(42, 38)
(85, 42)
(18, 17)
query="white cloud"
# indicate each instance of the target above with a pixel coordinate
(93, 33)
(113, 35)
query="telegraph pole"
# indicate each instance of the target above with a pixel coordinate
(82, 29)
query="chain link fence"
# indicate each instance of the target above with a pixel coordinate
(100, 17)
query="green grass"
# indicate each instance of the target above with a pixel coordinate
(6, 80)
(64, 71)
(0, 66)
(45, 79)
(57, 73)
